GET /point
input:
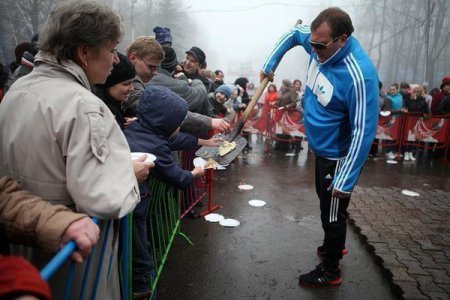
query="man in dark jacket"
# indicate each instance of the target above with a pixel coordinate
(194, 92)
(437, 98)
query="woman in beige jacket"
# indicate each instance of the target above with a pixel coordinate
(62, 142)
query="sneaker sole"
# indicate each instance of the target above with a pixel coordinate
(332, 283)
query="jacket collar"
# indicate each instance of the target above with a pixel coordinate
(68, 66)
(340, 54)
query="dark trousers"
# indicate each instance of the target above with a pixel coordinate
(143, 265)
(333, 211)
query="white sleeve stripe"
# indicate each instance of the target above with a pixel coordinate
(357, 141)
(303, 29)
(361, 115)
(282, 40)
(360, 92)
(339, 180)
(277, 47)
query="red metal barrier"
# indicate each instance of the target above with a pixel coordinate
(389, 130)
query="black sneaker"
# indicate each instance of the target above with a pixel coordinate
(321, 276)
(321, 252)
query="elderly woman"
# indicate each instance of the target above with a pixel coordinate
(62, 142)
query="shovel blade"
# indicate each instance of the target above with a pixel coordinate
(213, 152)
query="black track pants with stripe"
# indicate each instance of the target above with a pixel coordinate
(333, 211)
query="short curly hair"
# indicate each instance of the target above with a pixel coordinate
(79, 23)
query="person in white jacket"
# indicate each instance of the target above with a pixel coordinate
(61, 141)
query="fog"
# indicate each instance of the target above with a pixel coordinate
(407, 40)
(238, 35)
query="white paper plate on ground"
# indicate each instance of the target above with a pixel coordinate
(410, 193)
(229, 223)
(385, 113)
(245, 187)
(214, 218)
(199, 162)
(257, 203)
(392, 162)
(136, 155)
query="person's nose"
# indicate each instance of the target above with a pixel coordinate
(116, 59)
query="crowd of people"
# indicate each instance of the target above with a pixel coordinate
(73, 108)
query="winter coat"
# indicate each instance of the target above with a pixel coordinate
(437, 98)
(271, 97)
(287, 98)
(444, 106)
(418, 105)
(194, 93)
(396, 101)
(63, 144)
(160, 112)
(194, 123)
(30, 220)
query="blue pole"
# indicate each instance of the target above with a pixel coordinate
(60, 258)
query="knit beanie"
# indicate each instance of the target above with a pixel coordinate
(19, 277)
(123, 71)
(162, 35)
(224, 89)
(446, 80)
(170, 59)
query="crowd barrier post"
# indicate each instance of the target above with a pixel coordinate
(209, 184)
(163, 224)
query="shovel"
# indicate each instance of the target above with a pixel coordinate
(213, 152)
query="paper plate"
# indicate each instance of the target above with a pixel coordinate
(136, 155)
(221, 168)
(229, 223)
(245, 187)
(199, 162)
(391, 161)
(410, 193)
(214, 218)
(385, 113)
(257, 203)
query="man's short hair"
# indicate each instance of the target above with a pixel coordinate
(145, 46)
(217, 72)
(338, 20)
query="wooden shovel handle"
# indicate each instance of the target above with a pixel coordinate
(255, 99)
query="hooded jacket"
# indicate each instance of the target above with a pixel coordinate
(160, 112)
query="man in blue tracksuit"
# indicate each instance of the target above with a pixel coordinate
(340, 115)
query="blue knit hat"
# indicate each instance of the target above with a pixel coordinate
(162, 35)
(224, 89)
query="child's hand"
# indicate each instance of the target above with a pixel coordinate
(128, 121)
(213, 142)
(197, 172)
(142, 168)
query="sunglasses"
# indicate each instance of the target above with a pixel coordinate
(323, 46)
(151, 67)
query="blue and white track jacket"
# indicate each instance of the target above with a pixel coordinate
(340, 103)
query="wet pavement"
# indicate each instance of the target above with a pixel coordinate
(397, 244)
